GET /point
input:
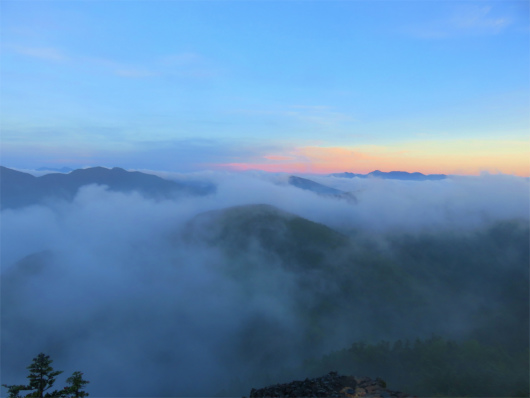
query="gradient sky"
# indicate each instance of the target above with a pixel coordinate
(295, 86)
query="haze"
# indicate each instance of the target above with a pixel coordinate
(115, 284)
(291, 222)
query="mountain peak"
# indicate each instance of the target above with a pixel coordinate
(275, 231)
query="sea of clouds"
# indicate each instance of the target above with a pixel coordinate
(110, 289)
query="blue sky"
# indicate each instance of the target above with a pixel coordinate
(426, 86)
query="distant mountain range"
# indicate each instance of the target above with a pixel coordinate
(393, 175)
(22, 189)
(324, 190)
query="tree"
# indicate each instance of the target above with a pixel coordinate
(76, 385)
(42, 378)
(15, 389)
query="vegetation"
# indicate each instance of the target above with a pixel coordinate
(433, 367)
(42, 378)
(469, 287)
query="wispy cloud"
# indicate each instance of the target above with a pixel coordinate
(52, 54)
(134, 73)
(43, 53)
(479, 17)
(468, 19)
(278, 157)
(309, 115)
(323, 115)
(185, 65)
(181, 60)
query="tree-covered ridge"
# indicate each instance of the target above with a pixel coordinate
(434, 367)
(449, 282)
(42, 378)
(469, 287)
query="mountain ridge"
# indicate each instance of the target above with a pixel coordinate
(21, 189)
(285, 235)
(393, 175)
(320, 189)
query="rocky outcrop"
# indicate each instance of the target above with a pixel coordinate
(330, 385)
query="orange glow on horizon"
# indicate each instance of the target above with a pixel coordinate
(460, 157)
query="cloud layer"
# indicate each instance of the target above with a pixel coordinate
(111, 289)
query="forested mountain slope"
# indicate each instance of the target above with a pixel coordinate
(260, 295)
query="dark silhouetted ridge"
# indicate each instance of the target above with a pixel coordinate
(309, 185)
(393, 175)
(320, 189)
(22, 189)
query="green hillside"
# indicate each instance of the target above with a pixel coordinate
(293, 240)
(468, 288)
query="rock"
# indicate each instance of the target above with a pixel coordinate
(330, 385)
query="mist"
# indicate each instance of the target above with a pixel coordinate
(113, 285)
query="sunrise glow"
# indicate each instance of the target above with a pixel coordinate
(470, 157)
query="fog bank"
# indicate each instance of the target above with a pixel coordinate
(107, 284)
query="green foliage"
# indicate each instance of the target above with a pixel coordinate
(42, 377)
(434, 367)
(77, 383)
(14, 390)
(471, 286)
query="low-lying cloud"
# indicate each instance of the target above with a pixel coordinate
(112, 289)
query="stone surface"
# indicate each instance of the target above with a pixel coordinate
(330, 385)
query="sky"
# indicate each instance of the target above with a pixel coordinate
(281, 86)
